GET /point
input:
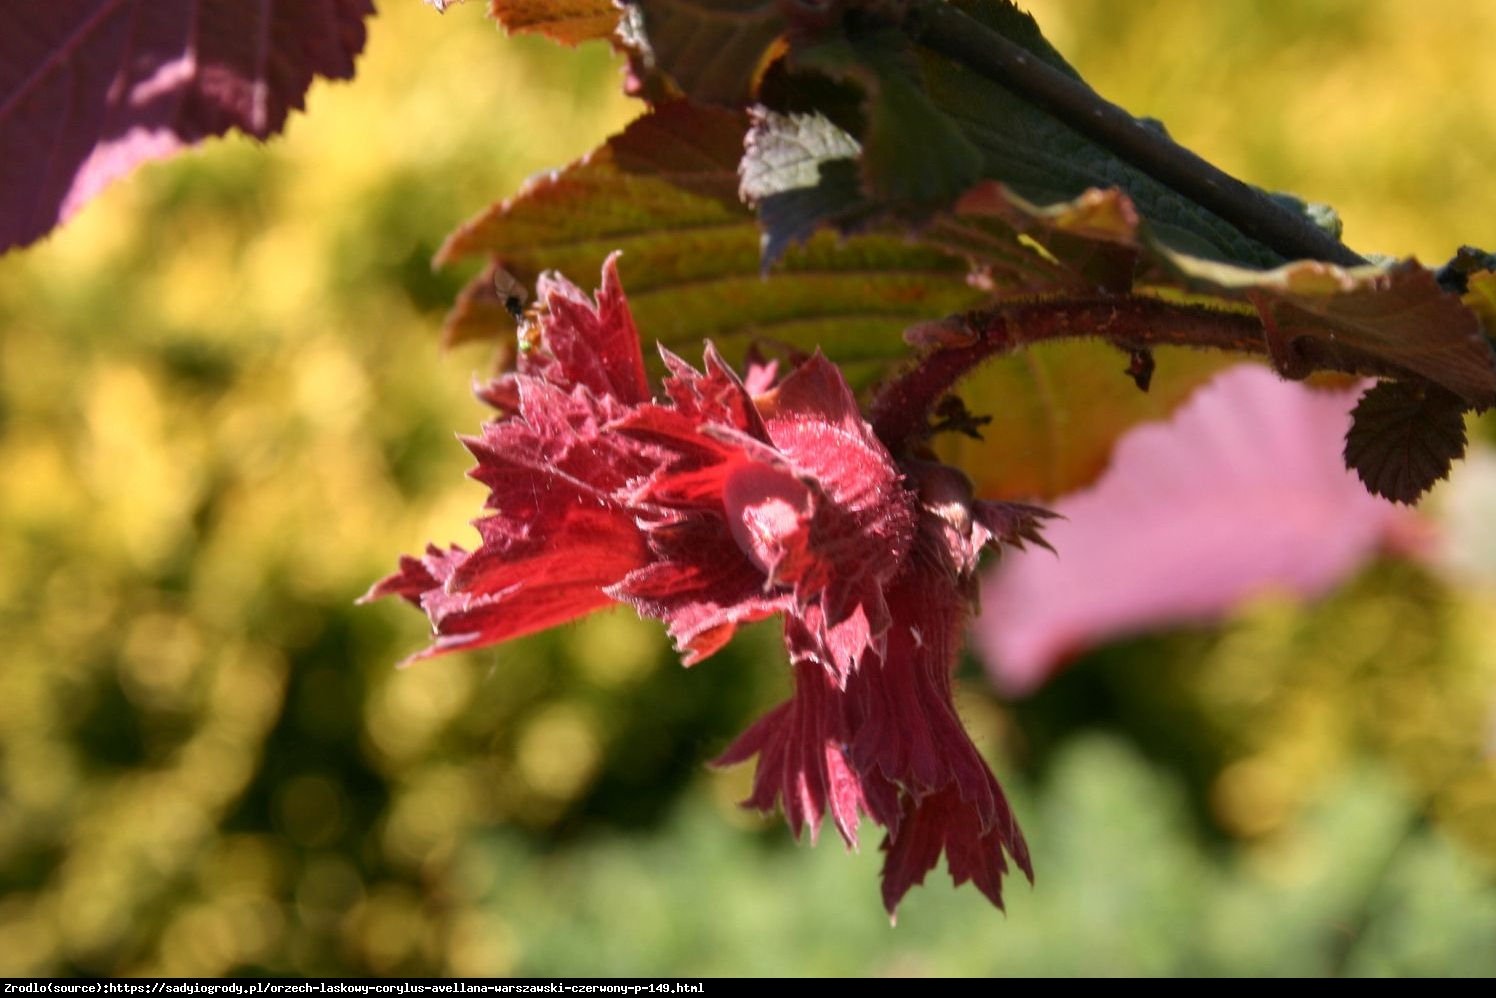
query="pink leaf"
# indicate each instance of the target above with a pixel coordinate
(1241, 492)
(90, 88)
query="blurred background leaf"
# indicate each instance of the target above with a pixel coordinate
(223, 413)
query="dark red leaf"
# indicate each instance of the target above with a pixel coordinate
(715, 504)
(91, 88)
(1403, 438)
(711, 48)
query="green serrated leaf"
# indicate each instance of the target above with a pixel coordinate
(913, 154)
(929, 128)
(1404, 437)
(1045, 161)
(691, 257)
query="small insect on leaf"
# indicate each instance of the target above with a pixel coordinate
(511, 292)
(514, 295)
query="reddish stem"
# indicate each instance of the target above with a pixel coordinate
(900, 412)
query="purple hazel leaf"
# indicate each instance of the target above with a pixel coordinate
(91, 89)
(1241, 492)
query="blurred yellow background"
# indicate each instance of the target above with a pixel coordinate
(223, 413)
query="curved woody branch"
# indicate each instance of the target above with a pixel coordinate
(1133, 323)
